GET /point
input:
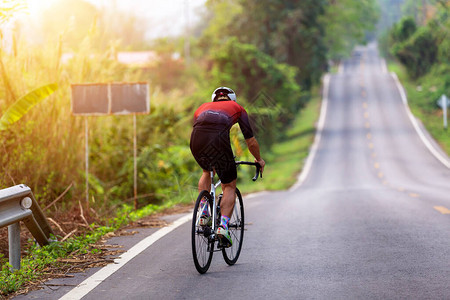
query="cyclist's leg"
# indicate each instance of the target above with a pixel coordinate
(205, 181)
(226, 209)
(228, 174)
(228, 198)
(204, 184)
(226, 169)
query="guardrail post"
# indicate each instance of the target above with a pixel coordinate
(17, 204)
(14, 245)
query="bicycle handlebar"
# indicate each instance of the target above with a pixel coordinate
(257, 165)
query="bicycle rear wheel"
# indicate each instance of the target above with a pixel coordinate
(202, 247)
(236, 231)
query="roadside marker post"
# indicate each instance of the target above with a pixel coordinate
(443, 103)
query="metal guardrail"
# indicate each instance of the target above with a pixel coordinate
(17, 204)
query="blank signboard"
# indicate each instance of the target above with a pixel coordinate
(90, 99)
(129, 98)
(110, 98)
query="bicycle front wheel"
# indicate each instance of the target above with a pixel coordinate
(202, 247)
(236, 231)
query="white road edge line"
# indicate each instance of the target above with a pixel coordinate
(255, 195)
(90, 283)
(419, 131)
(312, 153)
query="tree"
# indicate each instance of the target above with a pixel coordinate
(70, 18)
(418, 53)
(403, 30)
(268, 87)
(421, 47)
(346, 23)
(390, 13)
(288, 30)
(302, 33)
(122, 27)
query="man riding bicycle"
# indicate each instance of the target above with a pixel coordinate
(211, 148)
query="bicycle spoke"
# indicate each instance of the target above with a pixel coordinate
(202, 246)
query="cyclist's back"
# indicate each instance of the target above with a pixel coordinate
(210, 138)
(222, 115)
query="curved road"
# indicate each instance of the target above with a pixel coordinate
(369, 221)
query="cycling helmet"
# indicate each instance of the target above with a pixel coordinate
(223, 91)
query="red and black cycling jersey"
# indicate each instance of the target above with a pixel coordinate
(222, 115)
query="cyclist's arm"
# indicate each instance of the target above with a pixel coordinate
(253, 147)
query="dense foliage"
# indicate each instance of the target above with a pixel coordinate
(420, 41)
(415, 48)
(270, 52)
(303, 34)
(268, 88)
(341, 37)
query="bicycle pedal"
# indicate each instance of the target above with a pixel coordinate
(221, 246)
(223, 243)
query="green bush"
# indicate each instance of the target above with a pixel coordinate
(403, 30)
(418, 53)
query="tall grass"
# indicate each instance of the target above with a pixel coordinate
(45, 150)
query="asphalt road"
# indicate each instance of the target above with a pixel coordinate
(369, 221)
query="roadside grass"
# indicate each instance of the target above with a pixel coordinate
(422, 95)
(334, 69)
(39, 262)
(36, 264)
(283, 165)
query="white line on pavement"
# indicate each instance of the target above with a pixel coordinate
(90, 283)
(427, 143)
(320, 126)
(255, 195)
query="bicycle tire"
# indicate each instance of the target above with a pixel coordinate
(202, 247)
(236, 230)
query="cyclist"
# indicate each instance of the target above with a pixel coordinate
(211, 148)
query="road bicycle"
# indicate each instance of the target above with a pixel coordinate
(204, 237)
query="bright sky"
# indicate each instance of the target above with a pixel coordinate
(165, 17)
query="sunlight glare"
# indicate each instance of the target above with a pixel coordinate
(36, 7)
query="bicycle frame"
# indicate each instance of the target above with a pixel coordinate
(214, 204)
(204, 237)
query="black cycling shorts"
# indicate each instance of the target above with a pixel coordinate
(211, 149)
